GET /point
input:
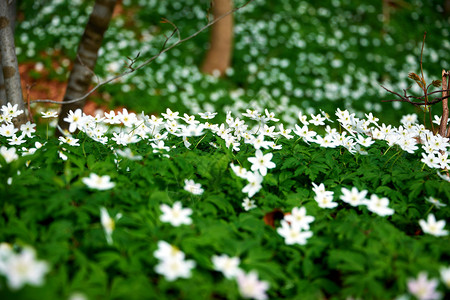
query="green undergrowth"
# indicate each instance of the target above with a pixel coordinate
(353, 252)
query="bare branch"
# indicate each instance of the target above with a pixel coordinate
(146, 62)
(406, 98)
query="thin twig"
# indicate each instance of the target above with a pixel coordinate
(148, 61)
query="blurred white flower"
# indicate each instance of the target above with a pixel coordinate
(251, 287)
(8, 154)
(98, 182)
(299, 218)
(23, 268)
(49, 114)
(353, 196)
(379, 206)
(229, 266)
(435, 202)
(433, 227)
(108, 223)
(248, 204)
(422, 288)
(192, 187)
(172, 262)
(176, 215)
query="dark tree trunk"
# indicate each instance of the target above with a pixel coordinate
(218, 58)
(8, 59)
(447, 7)
(87, 53)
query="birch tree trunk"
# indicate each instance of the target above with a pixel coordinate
(10, 67)
(87, 53)
(218, 58)
(12, 19)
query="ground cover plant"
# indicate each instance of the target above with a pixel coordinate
(198, 197)
(288, 55)
(182, 207)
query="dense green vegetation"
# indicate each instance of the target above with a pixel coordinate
(294, 190)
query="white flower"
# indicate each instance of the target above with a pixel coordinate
(435, 202)
(16, 140)
(305, 133)
(112, 118)
(192, 187)
(443, 176)
(68, 140)
(23, 268)
(254, 183)
(49, 114)
(299, 218)
(261, 162)
(77, 296)
(8, 154)
(173, 269)
(11, 110)
(353, 196)
(285, 132)
(422, 288)
(28, 129)
(325, 201)
(167, 251)
(239, 171)
(317, 120)
(98, 182)
(6, 251)
(8, 130)
(379, 206)
(445, 276)
(176, 215)
(169, 115)
(128, 119)
(127, 153)
(251, 287)
(74, 119)
(229, 266)
(292, 233)
(108, 223)
(248, 204)
(62, 155)
(172, 263)
(433, 227)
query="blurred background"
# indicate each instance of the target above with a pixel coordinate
(287, 55)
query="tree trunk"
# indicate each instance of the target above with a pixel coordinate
(10, 67)
(218, 58)
(12, 21)
(87, 53)
(447, 7)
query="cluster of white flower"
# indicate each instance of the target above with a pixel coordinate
(323, 197)
(359, 133)
(353, 197)
(172, 262)
(295, 227)
(248, 283)
(22, 267)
